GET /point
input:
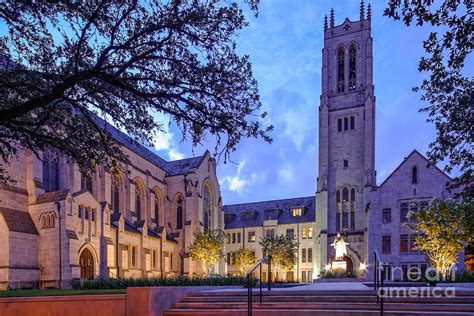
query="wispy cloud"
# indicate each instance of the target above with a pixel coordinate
(164, 140)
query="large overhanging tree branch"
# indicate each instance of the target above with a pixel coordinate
(449, 88)
(64, 63)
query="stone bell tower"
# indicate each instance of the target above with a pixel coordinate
(346, 171)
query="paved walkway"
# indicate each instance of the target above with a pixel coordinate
(343, 286)
(346, 286)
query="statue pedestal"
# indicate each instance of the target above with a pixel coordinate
(339, 265)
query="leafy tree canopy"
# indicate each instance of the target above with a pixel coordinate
(283, 251)
(63, 63)
(206, 248)
(244, 259)
(442, 232)
(449, 89)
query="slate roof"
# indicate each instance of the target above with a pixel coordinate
(54, 196)
(130, 227)
(19, 221)
(177, 167)
(153, 233)
(172, 168)
(253, 214)
(71, 234)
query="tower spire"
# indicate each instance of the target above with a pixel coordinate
(331, 18)
(362, 10)
(325, 22)
(369, 12)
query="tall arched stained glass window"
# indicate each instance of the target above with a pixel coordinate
(352, 67)
(414, 175)
(340, 69)
(138, 201)
(206, 200)
(157, 209)
(115, 192)
(50, 172)
(179, 213)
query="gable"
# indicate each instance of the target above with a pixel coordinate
(427, 172)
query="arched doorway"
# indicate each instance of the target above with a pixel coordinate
(86, 262)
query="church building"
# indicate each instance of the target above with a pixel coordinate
(58, 225)
(350, 209)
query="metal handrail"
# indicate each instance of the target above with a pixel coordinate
(378, 280)
(267, 258)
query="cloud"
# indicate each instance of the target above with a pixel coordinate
(239, 182)
(175, 155)
(164, 140)
(286, 174)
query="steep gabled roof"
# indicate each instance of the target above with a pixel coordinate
(237, 214)
(131, 144)
(172, 168)
(414, 152)
(18, 221)
(54, 196)
(183, 166)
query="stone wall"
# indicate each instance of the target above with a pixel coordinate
(77, 305)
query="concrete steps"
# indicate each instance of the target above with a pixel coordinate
(319, 303)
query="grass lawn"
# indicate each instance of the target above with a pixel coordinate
(57, 292)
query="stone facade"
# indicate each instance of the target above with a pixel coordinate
(348, 200)
(57, 225)
(346, 172)
(413, 185)
(247, 224)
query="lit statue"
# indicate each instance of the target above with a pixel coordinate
(340, 245)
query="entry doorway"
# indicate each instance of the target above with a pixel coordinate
(86, 262)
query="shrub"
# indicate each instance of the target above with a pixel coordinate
(123, 283)
(339, 274)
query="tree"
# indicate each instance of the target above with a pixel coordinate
(449, 89)
(206, 248)
(283, 251)
(441, 232)
(244, 259)
(64, 64)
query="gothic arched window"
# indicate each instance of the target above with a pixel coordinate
(179, 213)
(414, 175)
(353, 194)
(345, 211)
(157, 209)
(138, 201)
(86, 182)
(345, 195)
(115, 192)
(340, 69)
(352, 67)
(50, 173)
(207, 203)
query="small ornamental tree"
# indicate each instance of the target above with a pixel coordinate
(244, 259)
(282, 250)
(207, 248)
(441, 232)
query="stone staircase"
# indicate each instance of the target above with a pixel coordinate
(318, 303)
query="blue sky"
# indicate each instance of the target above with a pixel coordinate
(284, 44)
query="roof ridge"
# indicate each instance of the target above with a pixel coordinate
(274, 200)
